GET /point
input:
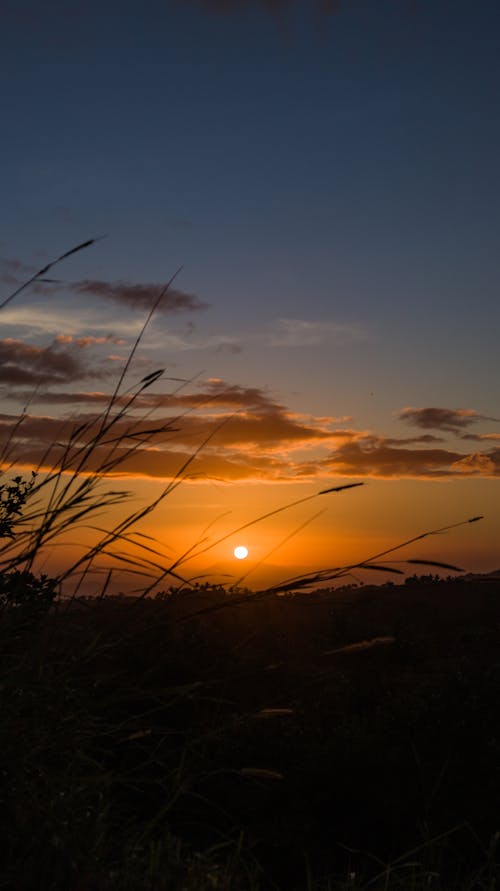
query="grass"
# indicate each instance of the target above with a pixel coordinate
(202, 739)
(253, 746)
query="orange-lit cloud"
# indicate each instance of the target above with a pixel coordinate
(379, 458)
(246, 433)
(266, 443)
(212, 393)
(478, 463)
(88, 340)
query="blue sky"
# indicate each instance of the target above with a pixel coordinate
(329, 183)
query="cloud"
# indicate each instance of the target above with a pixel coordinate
(89, 340)
(255, 432)
(426, 438)
(481, 437)
(229, 345)
(248, 433)
(60, 397)
(374, 457)
(212, 393)
(217, 392)
(451, 420)
(217, 343)
(139, 295)
(304, 333)
(477, 464)
(22, 363)
(43, 319)
(41, 438)
(235, 421)
(60, 363)
(262, 441)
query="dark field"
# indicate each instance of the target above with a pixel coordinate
(248, 746)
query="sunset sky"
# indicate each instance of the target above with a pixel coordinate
(327, 176)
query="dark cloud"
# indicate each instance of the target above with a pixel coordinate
(213, 393)
(426, 438)
(217, 392)
(140, 296)
(481, 437)
(22, 363)
(451, 420)
(60, 363)
(60, 397)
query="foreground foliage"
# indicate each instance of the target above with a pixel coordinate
(348, 739)
(206, 741)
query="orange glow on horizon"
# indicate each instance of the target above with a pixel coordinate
(195, 532)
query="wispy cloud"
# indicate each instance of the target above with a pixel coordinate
(89, 340)
(304, 333)
(36, 320)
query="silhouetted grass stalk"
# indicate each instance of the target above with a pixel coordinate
(70, 495)
(90, 727)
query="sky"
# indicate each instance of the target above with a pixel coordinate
(322, 179)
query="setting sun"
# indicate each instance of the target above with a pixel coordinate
(240, 552)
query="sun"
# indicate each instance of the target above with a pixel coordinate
(240, 552)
